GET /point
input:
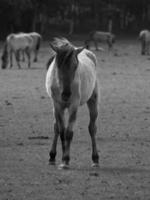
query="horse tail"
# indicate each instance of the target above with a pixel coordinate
(38, 44)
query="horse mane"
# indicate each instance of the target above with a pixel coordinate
(59, 42)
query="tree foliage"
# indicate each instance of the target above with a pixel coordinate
(29, 15)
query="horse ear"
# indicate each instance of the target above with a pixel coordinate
(53, 47)
(78, 50)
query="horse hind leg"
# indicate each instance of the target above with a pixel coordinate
(17, 59)
(143, 47)
(35, 55)
(27, 51)
(93, 111)
(110, 45)
(23, 56)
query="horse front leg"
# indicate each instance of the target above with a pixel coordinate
(143, 47)
(68, 138)
(17, 59)
(59, 129)
(23, 56)
(93, 111)
(109, 45)
(53, 152)
(35, 55)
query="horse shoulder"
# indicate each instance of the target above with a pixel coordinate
(90, 55)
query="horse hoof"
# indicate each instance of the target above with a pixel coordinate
(52, 163)
(95, 165)
(63, 166)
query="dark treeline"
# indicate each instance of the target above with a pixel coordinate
(73, 16)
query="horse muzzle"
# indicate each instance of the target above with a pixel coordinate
(66, 96)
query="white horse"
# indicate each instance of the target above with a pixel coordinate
(14, 43)
(144, 37)
(71, 81)
(20, 42)
(100, 36)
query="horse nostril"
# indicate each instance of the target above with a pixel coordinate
(66, 95)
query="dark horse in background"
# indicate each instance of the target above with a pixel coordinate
(100, 36)
(144, 37)
(20, 43)
(71, 81)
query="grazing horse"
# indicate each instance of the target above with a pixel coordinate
(99, 36)
(36, 44)
(14, 43)
(71, 81)
(144, 37)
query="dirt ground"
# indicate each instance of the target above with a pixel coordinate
(123, 137)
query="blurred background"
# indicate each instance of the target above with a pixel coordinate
(73, 16)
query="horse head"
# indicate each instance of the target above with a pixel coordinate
(66, 63)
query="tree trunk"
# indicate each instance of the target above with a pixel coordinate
(71, 26)
(34, 22)
(96, 18)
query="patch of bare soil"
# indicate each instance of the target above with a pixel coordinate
(123, 138)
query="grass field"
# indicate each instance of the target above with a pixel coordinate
(123, 137)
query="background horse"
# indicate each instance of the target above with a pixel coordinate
(14, 43)
(144, 37)
(71, 81)
(36, 44)
(99, 36)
